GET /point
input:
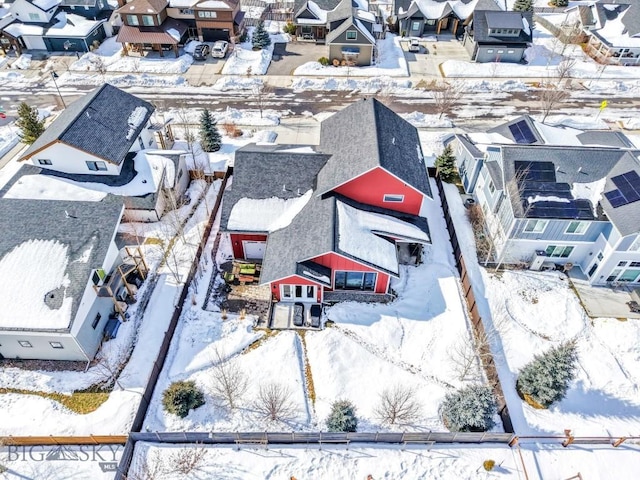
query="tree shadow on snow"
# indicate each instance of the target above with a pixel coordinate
(595, 403)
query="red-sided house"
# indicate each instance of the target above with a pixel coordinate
(332, 222)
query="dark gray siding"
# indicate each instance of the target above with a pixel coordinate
(555, 231)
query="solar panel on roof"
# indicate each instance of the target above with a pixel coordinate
(628, 189)
(522, 133)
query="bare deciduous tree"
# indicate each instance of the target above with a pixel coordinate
(261, 92)
(551, 96)
(110, 367)
(446, 95)
(229, 382)
(274, 402)
(565, 68)
(187, 460)
(99, 64)
(398, 405)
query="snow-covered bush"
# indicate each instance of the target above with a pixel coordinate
(180, 397)
(469, 409)
(546, 378)
(342, 417)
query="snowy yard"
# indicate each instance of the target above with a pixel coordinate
(407, 342)
(533, 311)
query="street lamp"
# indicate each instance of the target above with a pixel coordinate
(54, 75)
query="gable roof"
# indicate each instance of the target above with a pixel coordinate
(98, 123)
(80, 231)
(351, 22)
(484, 20)
(270, 171)
(143, 7)
(437, 9)
(44, 5)
(366, 135)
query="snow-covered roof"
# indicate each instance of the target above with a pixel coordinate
(46, 5)
(435, 10)
(70, 25)
(591, 191)
(615, 32)
(46, 260)
(366, 16)
(265, 214)
(149, 165)
(19, 29)
(317, 11)
(359, 235)
(214, 4)
(364, 31)
(182, 3)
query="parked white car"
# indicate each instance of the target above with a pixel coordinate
(219, 49)
(414, 45)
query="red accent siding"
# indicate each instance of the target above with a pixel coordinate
(295, 280)
(338, 262)
(236, 243)
(370, 188)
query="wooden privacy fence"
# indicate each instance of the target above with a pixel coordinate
(476, 320)
(57, 440)
(127, 453)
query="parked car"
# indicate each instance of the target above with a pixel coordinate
(298, 314)
(220, 49)
(201, 52)
(414, 45)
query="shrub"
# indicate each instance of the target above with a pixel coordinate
(342, 417)
(546, 378)
(324, 61)
(231, 130)
(290, 28)
(523, 6)
(488, 465)
(469, 409)
(181, 397)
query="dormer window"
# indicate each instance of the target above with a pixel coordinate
(352, 35)
(34, 16)
(133, 20)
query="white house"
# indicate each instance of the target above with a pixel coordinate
(557, 195)
(49, 259)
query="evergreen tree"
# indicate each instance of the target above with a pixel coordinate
(562, 3)
(260, 37)
(523, 6)
(546, 378)
(446, 165)
(210, 138)
(181, 397)
(342, 417)
(469, 409)
(30, 127)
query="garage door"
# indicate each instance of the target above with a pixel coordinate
(254, 250)
(214, 34)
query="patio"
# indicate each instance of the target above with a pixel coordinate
(610, 302)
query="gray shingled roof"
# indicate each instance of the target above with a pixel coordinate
(604, 139)
(365, 135)
(495, 172)
(363, 39)
(573, 164)
(96, 124)
(483, 20)
(261, 171)
(88, 224)
(323, 4)
(313, 232)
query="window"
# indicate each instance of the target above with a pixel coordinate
(415, 26)
(535, 226)
(635, 246)
(490, 50)
(392, 198)
(600, 256)
(286, 291)
(147, 20)
(492, 187)
(133, 20)
(613, 275)
(25, 344)
(96, 321)
(634, 264)
(207, 14)
(180, 174)
(559, 251)
(34, 16)
(355, 280)
(430, 22)
(95, 166)
(511, 51)
(577, 228)
(306, 30)
(500, 51)
(629, 275)
(186, 11)
(56, 344)
(352, 35)
(43, 161)
(622, 264)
